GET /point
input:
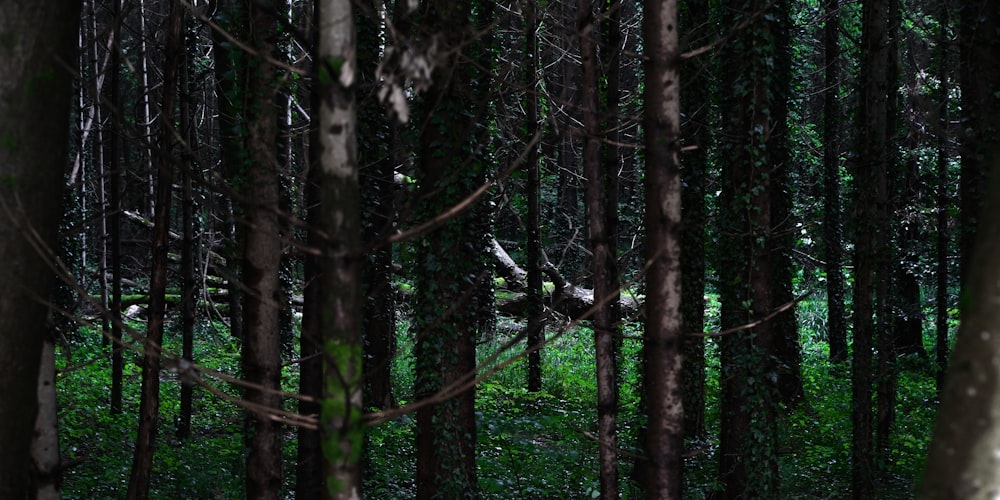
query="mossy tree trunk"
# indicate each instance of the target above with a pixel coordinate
(341, 430)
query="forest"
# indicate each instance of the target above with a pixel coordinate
(499, 249)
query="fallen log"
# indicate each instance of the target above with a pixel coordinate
(566, 298)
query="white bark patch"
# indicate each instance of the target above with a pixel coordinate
(336, 137)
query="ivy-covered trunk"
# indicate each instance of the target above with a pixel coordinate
(749, 400)
(451, 262)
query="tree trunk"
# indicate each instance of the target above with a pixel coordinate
(261, 353)
(749, 399)
(113, 156)
(871, 187)
(45, 444)
(189, 287)
(35, 98)
(230, 76)
(943, 202)
(832, 234)
(978, 46)
(697, 130)
(377, 165)
(663, 339)
(149, 404)
(961, 462)
(595, 197)
(341, 429)
(787, 349)
(536, 325)
(450, 263)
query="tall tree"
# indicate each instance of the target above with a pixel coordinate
(230, 75)
(260, 192)
(34, 100)
(978, 48)
(696, 130)
(378, 199)
(341, 408)
(870, 192)
(942, 197)
(112, 154)
(750, 109)
(536, 325)
(962, 454)
(450, 262)
(149, 404)
(600, 245)
(832, 233)
(787, 349)
(663, 338)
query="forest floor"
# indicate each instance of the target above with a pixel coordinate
(530, 445)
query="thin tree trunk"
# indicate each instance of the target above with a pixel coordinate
(536, 325)
(663, 339)
(45, 444)
(188, 285)
(942, 201)
(696, 101)
(595, 195)
(308, 472)
(836, 324)
(113, 157)
(149, 405)
(230, 74)
(378, 199)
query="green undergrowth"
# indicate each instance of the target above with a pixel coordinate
(530, 445)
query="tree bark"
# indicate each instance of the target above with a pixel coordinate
(697, 133)
(663, 338)
(832, 233)
(749, 399)
(341, 428)
(962, 459)
(149, 404)
(45, 444)
(595, 197)
(450, 264)
(871, 187)
(536, 325)
(35, 97)
(261, 352)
